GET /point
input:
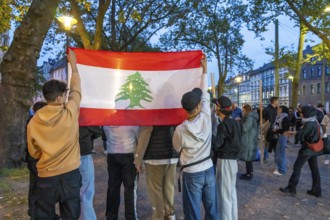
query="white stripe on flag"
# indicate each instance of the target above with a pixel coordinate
(101, 85)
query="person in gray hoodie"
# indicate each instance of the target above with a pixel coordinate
(193, 139)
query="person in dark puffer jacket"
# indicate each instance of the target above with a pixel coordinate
(308, 133)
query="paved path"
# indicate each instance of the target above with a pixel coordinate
(257, 199)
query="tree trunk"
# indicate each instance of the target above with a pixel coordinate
(296, 77)
(220, 71)
(18, 72)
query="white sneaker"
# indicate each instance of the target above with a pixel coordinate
(277, 173)
(326, 162)
(170, 217)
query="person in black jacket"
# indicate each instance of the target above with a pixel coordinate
(32, 166)
(297, 116)
(281, 125)
(87, 134)
(308, 133)
(269, 114)
(227, 143)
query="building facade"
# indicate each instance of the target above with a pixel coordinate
(310, 84)
(58, 71)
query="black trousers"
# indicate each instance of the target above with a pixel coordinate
(32, 166)
(121, 170)
(64, 189)
(272, 145)
(249, 167)
(312, 162)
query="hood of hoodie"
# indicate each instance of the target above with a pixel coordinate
(199, 127)
(49, 114)
(253, 115)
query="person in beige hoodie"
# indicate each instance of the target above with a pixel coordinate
(52, 136)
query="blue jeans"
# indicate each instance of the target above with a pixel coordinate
(87, 189)
(196, 188)
(280, 157)
(266, 154)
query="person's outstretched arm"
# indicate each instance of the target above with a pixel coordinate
(75, 85)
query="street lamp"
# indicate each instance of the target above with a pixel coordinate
(67, 22)
(238, 80)
(327, 9)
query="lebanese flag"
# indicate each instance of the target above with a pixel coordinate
(137, 88)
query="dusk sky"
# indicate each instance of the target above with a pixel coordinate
(254, 48)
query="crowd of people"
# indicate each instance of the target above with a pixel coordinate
(207, 146)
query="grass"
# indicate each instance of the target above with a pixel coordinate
(4, 187)
(13, 197)
(15, 173)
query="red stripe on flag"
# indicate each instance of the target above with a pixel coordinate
(92, 116)
(136, 61)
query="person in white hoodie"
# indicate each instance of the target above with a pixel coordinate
(193, 139)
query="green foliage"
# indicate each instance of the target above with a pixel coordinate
(214, 26)
(127, 25)
(287, 56)
(313, 15)
(135, 90)
(86, 4)
(321, 52)
(5, 15)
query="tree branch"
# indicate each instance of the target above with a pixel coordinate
(315, 30)
(103, 7)
(80, 25)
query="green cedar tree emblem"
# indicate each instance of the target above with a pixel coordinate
(134, 89)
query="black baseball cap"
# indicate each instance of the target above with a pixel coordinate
(191, 99)
(224, 103)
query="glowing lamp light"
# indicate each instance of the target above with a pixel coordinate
(67, 21)
(290, 77)
(327, 9)
(238, 79)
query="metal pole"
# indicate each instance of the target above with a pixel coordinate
(261, 129)
(66, 57)
(238, 95)
(276, 92)
(213, 85)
